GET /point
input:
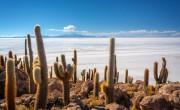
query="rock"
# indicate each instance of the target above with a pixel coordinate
(97, 107)
(155, 102)
(76, 105)
(54, 84)
(21, 82)
(174, 99)
(138, 96)
(168, 89)
(55, 93)
(86, 88)
(139, 82)
(115, 106)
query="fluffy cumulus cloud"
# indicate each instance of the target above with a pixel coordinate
(131, 33)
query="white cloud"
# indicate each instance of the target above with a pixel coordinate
(69, 28)
(177, 34)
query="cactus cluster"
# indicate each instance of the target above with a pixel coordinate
(163, 74)
(64, 73)
(10, 86)
(74, 59)
(40, 72)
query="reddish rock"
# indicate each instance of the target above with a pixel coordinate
(115, 106)
(174, 99)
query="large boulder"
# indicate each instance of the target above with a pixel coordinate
(168, 89)
(138, 96)
(155, 102)
(174, 99)
(85, 89)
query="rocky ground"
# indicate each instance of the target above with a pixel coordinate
(126, 96)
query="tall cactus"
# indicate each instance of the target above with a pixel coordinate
(25, 46)
(109, 88)
(42, 88)
(10, 54)
(64, 73)
(30, 76)
(10, 87)
(75, 64)
(163, 74)
(115, 70)
(105, 73)
(96, 85)
(50, 74)
(146, 78)
(126, 76)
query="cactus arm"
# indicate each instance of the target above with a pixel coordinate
(105, 73)
(146, 78)
(37, 75)
(63, 61)
(27, 65)
(56, 71)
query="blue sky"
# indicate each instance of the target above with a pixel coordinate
(144, 18)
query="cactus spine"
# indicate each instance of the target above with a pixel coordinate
(163, 74)
(10, 87)
(10, 54)
(75, 64)
(146, 78)
(42, 89)
(30, 76)
(126, 76)
(64, 73)
(105, 73)
(96, 85)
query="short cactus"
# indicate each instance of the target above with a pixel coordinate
(30, 76)
(126, 76)
(10, 87)
(50, 73)
(105, 73)
(83, 75)
(2, 61)
(75, 64)
(87, 76)
(130, 79)
(146, 78)
(10, 54)
(42, 88)
(96, 85)
(91, 71)
(117, 77)
(64, 73)
(163, 74)
(56, 59)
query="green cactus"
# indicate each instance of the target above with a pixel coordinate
(64, 73)
(163, 74)
(146, 78)
(126, 76)
(105, 73)
(83, 75)
(110, 75)
(96, 85)
(10, 54)
(10, 87)
(30, 76)
(42, 89)
(75, 64)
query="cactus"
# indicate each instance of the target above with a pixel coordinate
(75, 64)
(17, 61)
(25, 47)
(64, 73)
(83, 75)
(42, 88)
(50, 73)
(163, 74)
(117, 77)
(10, 87)
(126, 76)
(10, 54)
(130, 79)
(115, 70)
(87, 76)
(146, 78)
(94, 71)
(96, 85)
(30, 76)
(56, 59)
(2, 61)
(110, 75)
(105, 73)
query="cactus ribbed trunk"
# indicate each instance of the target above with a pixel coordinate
(66, 94)
(110, 75)
(126, 76)
(75, 64)
(51, 73)
(156, 72)
(10, 54)
(25, 47)
(146, 78)
(10, 87)
(42, 89)
(115, 70)
(105, 73)
(96, 85)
